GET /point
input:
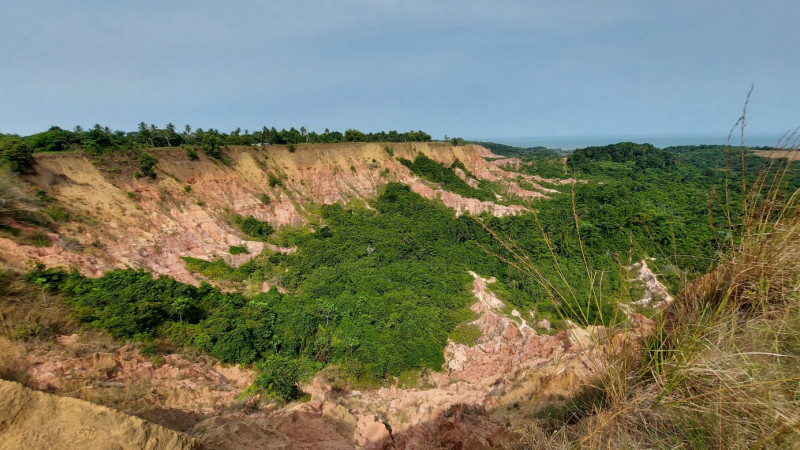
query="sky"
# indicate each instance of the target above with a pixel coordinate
(474, 69)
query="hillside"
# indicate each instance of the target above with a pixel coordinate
(371, 291)
(118, 220)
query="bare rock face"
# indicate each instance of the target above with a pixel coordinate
(35, 420)
(119, 220)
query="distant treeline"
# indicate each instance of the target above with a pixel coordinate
(16, 151)
(98, 137)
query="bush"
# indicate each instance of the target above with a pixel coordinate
(254, 227)
(265, 199)
(57, 213)
(277, 378)
(15, 155)
(274, 180)
(146, 164)
(238, 249)
(466, 334)
(192, 153)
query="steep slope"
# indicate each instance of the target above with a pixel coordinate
(118, 220)
(35, 420)
(510, 373)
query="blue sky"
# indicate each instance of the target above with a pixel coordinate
(458, 67)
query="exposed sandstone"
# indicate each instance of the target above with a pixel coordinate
(123, 221)
(34, 420)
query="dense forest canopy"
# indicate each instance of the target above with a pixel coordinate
(527, 152)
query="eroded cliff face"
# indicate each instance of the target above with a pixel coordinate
(119, 220)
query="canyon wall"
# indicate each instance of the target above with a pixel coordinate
(119, 220)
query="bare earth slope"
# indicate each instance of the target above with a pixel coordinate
(34, 420)
(119, 220)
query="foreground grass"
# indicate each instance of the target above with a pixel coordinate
(723, 367)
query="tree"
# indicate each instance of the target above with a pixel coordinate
(143, 137)
(169, 132)
(16, 155)
(353, 135)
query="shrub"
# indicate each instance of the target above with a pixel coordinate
(466, 334)
(277, 378)
(274, 180)
(237, 249)
(146, 164)
(191, 152)
(57, 213)
(16, 155)
(265, 199)
(254, 227)
(291, 148)
(41, 240)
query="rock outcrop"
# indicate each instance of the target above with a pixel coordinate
(35, 420)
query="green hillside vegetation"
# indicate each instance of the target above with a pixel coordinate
(438, 173)
(511, 151)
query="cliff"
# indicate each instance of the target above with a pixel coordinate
(118, 220)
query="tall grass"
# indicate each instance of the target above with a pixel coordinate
(722, 369)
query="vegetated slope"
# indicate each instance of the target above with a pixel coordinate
(511, 151)
(722, 369)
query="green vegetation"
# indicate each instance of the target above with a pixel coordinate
(466, 334)
(523, 152)
(146, 164)
(265, 199)
(720, 370)
(437, 172)
(15, 154)
(99, 139)
(253, 227)
(238, 250)
(635, 156)
(192, 153)
(274, 180)
(379, 290)
(217, 270)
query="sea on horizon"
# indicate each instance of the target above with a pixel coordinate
(573, 142)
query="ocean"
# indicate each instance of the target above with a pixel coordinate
(573, 142)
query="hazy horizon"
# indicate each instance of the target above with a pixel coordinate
(660, 141)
